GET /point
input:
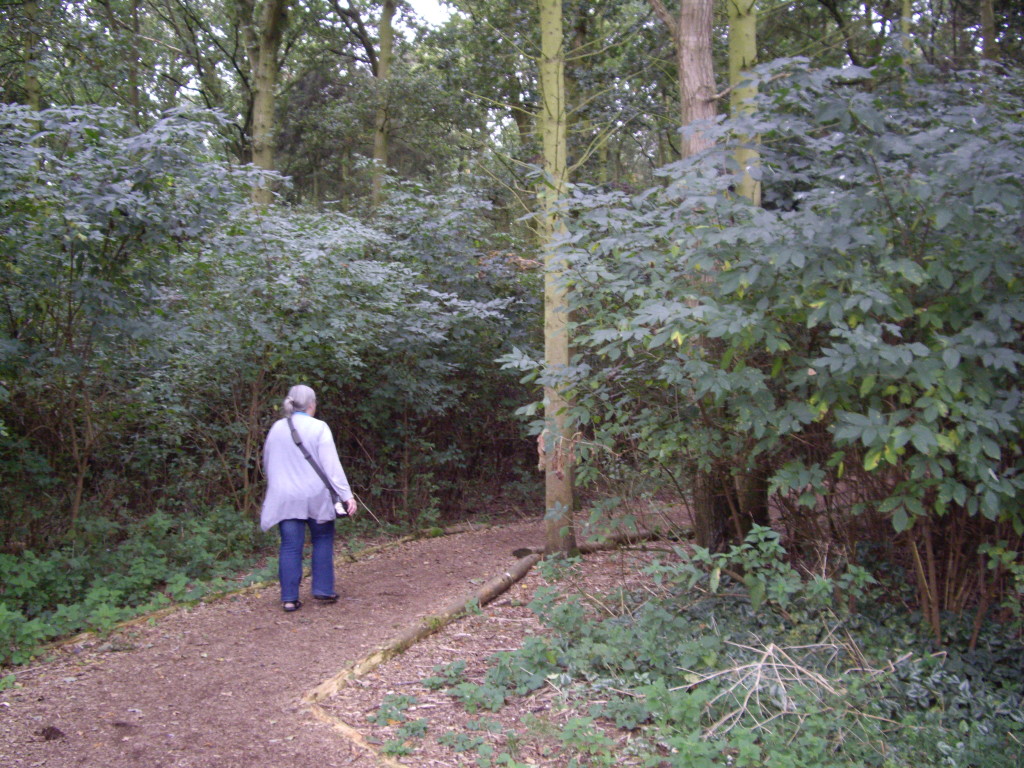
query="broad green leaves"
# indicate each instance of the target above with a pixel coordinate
(873, 310)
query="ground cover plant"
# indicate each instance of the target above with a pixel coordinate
(112, 571)
(739, 659)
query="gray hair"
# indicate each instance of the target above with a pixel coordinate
(300, 397)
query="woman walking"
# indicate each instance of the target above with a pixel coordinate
(298, 496)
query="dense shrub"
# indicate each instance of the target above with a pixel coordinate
(852, 348)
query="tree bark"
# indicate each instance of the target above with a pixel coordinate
(691, 37)
(264, 42)
(742, 59)
(33, 91)
(385, 55)
(990, 47)
(906, 16)
(557, 449)
(751, 486)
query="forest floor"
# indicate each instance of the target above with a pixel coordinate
(222, 683)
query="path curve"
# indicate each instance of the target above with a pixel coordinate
(219, 685)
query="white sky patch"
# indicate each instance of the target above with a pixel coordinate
(431, 11)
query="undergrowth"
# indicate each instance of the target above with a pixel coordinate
(737, 659)
(113, 571)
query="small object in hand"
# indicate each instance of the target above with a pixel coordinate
(340, 509)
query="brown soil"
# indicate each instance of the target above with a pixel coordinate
(222, 683)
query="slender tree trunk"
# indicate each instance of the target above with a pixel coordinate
(33, 92)
(558, 497)
(990, 47)
(385, 55)
(264, 44)
(906, 17)
(742, 58)
(134, 90)
(691, 36)
(713, 490)
(750, 484)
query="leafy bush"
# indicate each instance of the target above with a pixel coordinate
(855, 344)
(91, 210)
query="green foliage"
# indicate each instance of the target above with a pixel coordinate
(739, 660)
(877, 296)
(392, 709)
(857, 338)
(460, 741)
(114, 571)
(91, 211)
(189, 314)
(446, 675)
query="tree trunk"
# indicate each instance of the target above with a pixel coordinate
(691, 36)
(711, 508)
(385, 55)
(134, 89)
(558, 472)
(751, 486)
(906, 16)
(990, 48)
(33, 92)
(742, 59)
(264, 44)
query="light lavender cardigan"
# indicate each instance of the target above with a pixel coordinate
(294, 490)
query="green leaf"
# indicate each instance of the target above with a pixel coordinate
(756, 589)
(900, 519)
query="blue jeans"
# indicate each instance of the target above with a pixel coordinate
(289, 568)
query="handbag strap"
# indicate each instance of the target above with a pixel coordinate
(335, 498)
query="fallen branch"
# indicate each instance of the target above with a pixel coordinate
(528, 557)
(353, 735)
(426, 627)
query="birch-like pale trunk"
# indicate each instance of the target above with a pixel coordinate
(558, 458)
(751, 482)
(742, 59)
(906, 17)
(385, 55)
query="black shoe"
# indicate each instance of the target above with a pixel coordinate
(290, 606)
(326, 598)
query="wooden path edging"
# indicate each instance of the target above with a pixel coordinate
(401, 642)
(428, 626)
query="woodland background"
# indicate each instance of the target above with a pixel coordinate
(782, 293)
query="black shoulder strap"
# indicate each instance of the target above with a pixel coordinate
(298, 441)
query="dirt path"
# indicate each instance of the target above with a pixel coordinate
(220, 684)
